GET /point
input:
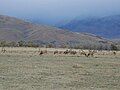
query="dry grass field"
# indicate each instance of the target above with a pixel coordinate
(25, 69)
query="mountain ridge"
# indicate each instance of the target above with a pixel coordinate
(107, 27)
(13, 29)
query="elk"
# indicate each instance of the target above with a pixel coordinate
(114, 52)
(3, 50)
(83, 53)
(90, 53)
(73, 52)
(42, 52)
(56, 52)
(45, 52)
(60, 52)
(66, 52)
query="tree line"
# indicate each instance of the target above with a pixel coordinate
(52, 45)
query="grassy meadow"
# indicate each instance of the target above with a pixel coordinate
(25, 69)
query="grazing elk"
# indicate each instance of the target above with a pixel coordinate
(56, 52)
(45, 52)
(41, 52)
(73, 52)
(3, 50)
(114, 52)
(66, 52)
(60, 52)
(83, 53)
(90, 53)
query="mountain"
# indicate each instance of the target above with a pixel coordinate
(107, 27)
(13, 29)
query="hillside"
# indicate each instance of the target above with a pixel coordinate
(13, 29)
(107, 27)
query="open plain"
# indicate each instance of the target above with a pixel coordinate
(25, 69)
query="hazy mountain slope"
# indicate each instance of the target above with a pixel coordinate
(12, 29)
(108, 27)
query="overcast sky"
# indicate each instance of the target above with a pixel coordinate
(50, 11)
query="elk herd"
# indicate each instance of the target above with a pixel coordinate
(86, 53)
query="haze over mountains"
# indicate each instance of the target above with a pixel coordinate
(107, 27)
(13, 29)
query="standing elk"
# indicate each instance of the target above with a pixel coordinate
(90, 53)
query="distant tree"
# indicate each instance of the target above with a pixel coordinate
(3, 43)
(50, 45)
(63, 46)
(12, 44)
(31, 44)
(21, 43)
(114, 47)
(78, 47)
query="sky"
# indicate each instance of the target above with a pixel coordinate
(53, 11)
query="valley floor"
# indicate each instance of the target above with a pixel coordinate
(27, 70)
